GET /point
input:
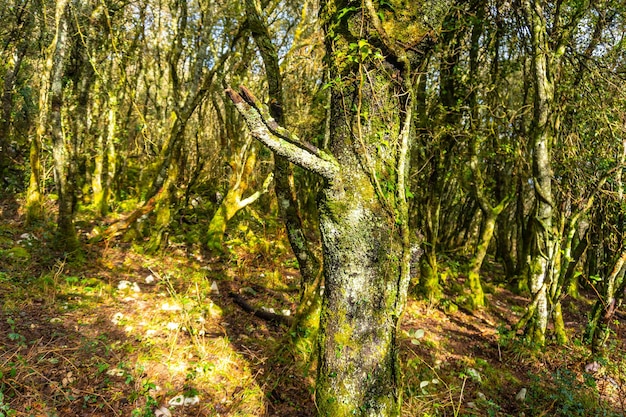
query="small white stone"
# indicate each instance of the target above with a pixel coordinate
(117, 318)
(286, 312)
(474, 374)
(123, 284)
(521, 395)
(593, 367)
(177, 400)
(162, 412)
(214, 289)
(191, 400)
(115, 372)
(149, 279)
(170, 307)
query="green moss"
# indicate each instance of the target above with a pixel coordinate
(17, 253)
(476, 296)
(343, 336)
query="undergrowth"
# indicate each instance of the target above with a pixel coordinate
(121, 333)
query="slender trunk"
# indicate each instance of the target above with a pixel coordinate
(544, 241)
(61, 150)
(234, 201)
(477, 296)
(598, 327)
(284, 187)
(34, 198)
(613, 287)
(429, 286)
(104, 168)
(10, 77)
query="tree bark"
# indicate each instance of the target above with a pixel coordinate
(541, 260)
(62, 151)
(363, 214)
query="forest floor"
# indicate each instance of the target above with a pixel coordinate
(121, 333)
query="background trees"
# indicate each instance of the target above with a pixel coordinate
(495, 130)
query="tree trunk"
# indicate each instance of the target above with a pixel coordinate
(307, 316)
(62, 151)
(541, 262)
(233, 201)
(363, 220)
(6, 107)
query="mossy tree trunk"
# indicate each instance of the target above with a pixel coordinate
(13, 68)
(614, 286)
(544, 257)
(62, 151)
(242, 169)
(429, 285)
(363, 209)
(597, 331)
(105, 160)
(490, 214)
(34, 193)
(541, 260)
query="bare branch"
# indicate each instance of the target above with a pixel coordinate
(280, 140)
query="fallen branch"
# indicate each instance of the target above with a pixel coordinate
(265, 315)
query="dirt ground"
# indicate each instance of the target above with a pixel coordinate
(121, 333)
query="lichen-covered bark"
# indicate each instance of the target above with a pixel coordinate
(363, 208)
(66, 238)
(364, 224)
(358, 368)
(541, 262)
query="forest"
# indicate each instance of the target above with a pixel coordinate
(312, 208)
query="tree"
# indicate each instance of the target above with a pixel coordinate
(363, 208)
(62, 151)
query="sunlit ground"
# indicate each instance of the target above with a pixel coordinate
(121, 333)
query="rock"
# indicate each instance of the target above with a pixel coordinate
(123, 284)
(184, 401)
(474, 374)
(481, 396)
(162, 412)
(214, 289)
(170, 307)
(177, 400)
(521, 395)
(593, 367)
